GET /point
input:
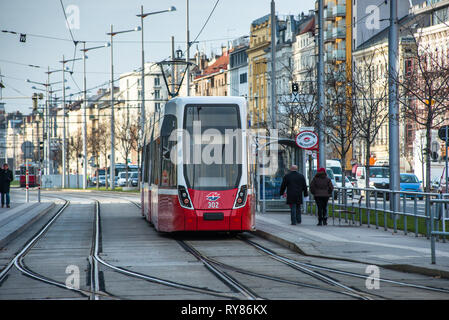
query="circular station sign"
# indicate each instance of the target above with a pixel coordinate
(307, 139)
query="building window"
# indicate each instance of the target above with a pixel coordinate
(157, 94)
(157, 81)
(243, 77)
(157, 106)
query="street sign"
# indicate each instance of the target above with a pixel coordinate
(442, 132)
(307, 140)
(27, 149)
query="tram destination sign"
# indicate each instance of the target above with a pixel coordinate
(306, 139)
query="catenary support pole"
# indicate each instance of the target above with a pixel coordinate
(393, 104)
(320, 88)
(187, 50)
(273, 66)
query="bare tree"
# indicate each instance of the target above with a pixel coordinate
(127, 134)
(370, 95)
(76, 149)
(425, 87)
(104, 143)
(339, 113)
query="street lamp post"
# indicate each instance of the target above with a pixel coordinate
(142, 80)
(112, 171)
(84, 50)
(64, 138)
(46, 128)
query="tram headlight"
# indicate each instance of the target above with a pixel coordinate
(241, 196)
(184, 197)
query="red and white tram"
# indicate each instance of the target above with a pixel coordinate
(33, 174)
(196, 173)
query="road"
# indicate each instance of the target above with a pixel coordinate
(99, 247)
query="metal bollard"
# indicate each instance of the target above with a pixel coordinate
(384, 194)
(415, 212)
(375, 210)
(404, 210)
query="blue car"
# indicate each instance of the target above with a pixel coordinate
(409, 182)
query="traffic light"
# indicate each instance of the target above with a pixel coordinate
(34, 98)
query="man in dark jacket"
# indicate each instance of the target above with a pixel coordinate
(5, 181)
(295, 183)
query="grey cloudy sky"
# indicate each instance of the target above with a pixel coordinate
(40, 19)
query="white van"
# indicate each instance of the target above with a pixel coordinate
(335, 166)
(379, 177)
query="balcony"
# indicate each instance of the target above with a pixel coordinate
(328, 35)
(339, 33)
(339, 11)
(339, 55)
(328, 13)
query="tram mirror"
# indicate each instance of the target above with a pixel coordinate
(165, 153)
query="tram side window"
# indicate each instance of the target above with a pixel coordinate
(155, 161)
(168, 168)
(146, 162)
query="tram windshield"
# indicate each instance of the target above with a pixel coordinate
(212, 161)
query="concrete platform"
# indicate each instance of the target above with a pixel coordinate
(355, 243)
(19, 217)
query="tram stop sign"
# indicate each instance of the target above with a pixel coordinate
(442, 133)
(27, 149)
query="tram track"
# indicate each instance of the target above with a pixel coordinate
(217, 269)
(141, 276)
(310, 267)
(19, 264)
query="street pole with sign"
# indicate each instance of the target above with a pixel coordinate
(443, 134)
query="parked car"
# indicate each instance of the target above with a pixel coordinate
(102, 181)
(134, 179)
(339, 183)
(409, 182)
(435, 184)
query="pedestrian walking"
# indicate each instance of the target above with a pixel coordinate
(296, 186)
(321, 187)
(6, 178)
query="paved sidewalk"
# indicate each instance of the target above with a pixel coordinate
(19, 217)
(355, 243)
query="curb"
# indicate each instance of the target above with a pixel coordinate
(25, 226)
(87, 191)
(395, 267)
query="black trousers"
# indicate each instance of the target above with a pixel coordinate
(321, 203)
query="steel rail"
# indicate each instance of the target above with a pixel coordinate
(276, 279)
(292, 263)
(357, 275)
(152, 279)
(220, 274)
(207, 259)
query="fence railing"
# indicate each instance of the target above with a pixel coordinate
(373, 207)
(426, 213)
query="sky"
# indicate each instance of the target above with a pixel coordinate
(40, 19)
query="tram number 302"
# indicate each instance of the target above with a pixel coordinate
(213, 205)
